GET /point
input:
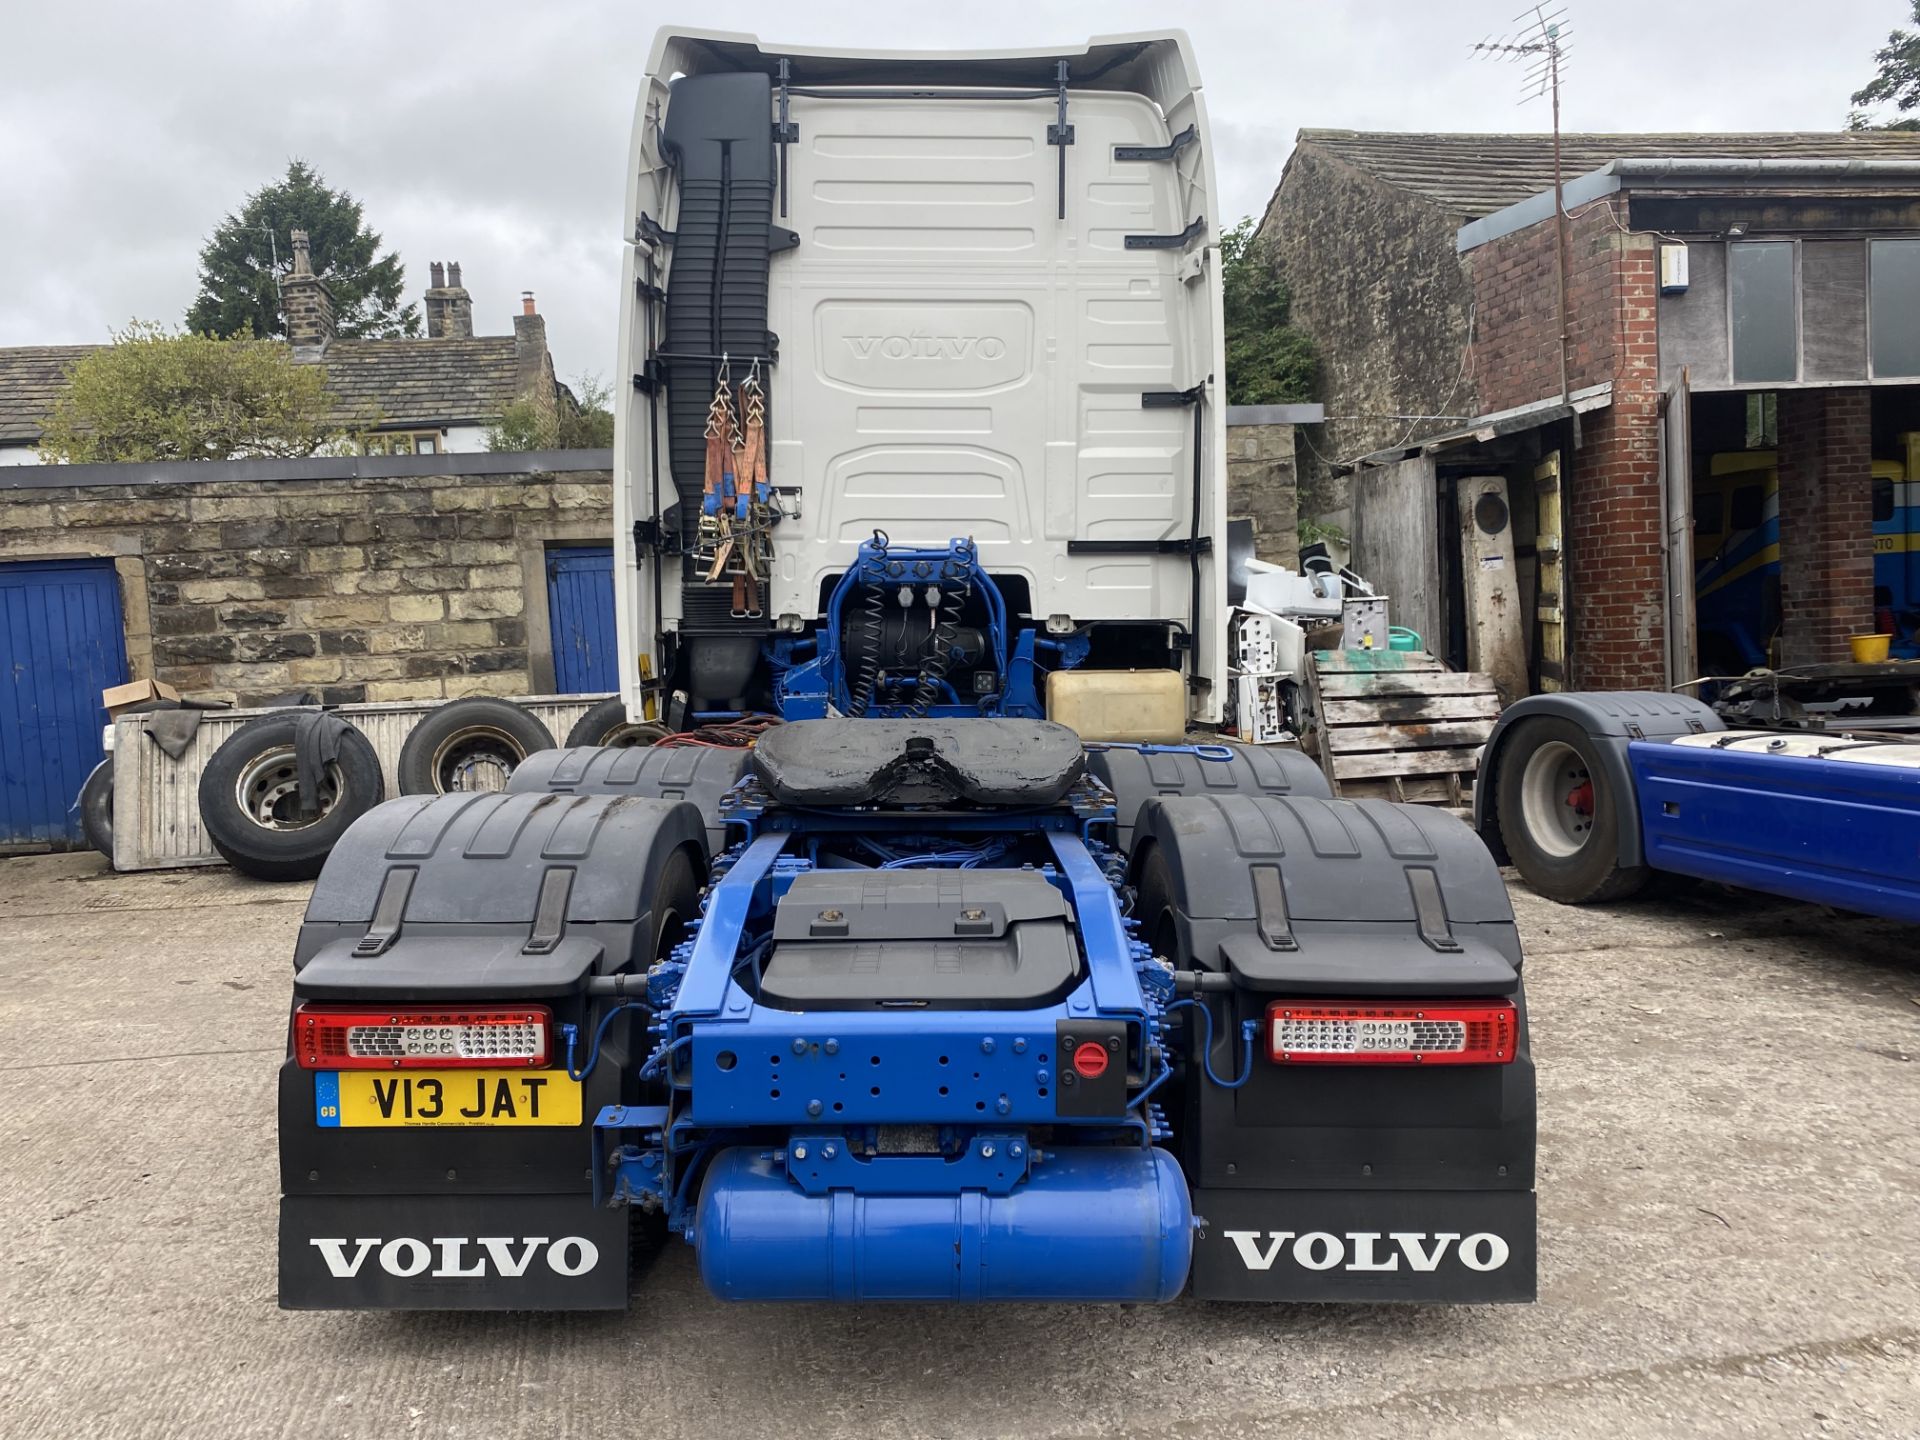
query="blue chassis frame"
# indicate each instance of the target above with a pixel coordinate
(736, 1066)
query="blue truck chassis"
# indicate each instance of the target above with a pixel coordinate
(1591, 794)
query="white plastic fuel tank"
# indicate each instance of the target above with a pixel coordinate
(1137, 707)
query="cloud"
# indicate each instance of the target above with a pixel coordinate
(496, 134)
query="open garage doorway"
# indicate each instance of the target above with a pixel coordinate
(1850, 536)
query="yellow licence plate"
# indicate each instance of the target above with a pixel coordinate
(357, 1098)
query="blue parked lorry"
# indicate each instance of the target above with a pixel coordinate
(1589, 795)
(923, 996)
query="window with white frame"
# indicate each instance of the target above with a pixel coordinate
(396, 442)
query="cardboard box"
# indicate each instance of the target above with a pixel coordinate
(120, 698)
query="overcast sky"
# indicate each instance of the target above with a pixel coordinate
(495, 134)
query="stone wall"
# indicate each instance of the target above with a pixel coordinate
(1261, 486)
(1378, 288)
(409, 586)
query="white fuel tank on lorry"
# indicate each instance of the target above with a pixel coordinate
(980, 293)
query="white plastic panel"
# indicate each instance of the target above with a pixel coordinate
(958, 360)
(1832, 746)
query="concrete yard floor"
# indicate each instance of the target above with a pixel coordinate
(1729, 1207)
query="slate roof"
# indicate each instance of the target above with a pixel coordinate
(384, 383)
(30, 377)
(422, 382)
(1475, 175)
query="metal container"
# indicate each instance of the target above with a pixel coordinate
(156, 800)
(1086, 1225)
(1363, 623)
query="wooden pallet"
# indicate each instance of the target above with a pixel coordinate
(1397, 725)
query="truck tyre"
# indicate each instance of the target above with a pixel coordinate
(96, 808)
(468, 745)
(607, 724)
(1559, 815)
(250, 798)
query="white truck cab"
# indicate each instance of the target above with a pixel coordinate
(978, 297)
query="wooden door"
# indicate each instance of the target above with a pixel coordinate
(1496, 628)
(1550, 589)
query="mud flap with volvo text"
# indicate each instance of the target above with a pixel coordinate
(1357, 1118)
(434, 1138)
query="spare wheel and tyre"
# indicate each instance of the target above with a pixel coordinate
(1559, 815)
(606, 723)
(251, 799)
(468, 745)
(96, 808)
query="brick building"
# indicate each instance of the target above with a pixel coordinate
(1730, 385)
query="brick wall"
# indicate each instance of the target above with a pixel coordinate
(397, 588)
(1516, 310)
(1826, 523)
(1261, 485)
(1611, 479)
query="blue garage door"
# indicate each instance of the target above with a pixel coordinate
(61, 644)
(586, 657)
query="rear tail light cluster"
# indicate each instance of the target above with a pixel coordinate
(329, 1038)
(1391, 1033)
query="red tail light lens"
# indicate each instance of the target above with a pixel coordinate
(1391, 1033)
(340, 1038)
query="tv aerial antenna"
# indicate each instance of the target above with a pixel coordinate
(1540, 44)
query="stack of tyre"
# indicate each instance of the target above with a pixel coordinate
(282, 789)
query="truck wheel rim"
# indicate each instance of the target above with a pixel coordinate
(631, 734)
(475, 758)
(1556, 799)
(268, 791)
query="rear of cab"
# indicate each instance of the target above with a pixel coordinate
(993, 312)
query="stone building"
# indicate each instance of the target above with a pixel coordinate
(1734, 306)
(438, 395)
(1261, 481)
(355, 578)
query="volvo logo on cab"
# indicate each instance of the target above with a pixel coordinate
(459, 1257)
(921, 345)
(1362, 1250)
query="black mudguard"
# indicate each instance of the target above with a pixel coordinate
(464, 899)
(1309, 1175)
(1612, 719)
(698, 774)
(1137, 774)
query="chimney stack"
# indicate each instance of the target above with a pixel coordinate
(449, 307)
(307, 303)
(533, 366)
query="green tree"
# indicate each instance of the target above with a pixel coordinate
(155, 395)
(241, 265)
(1268, 361)
(587, 424)
(1895, 83)
(582, 419)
